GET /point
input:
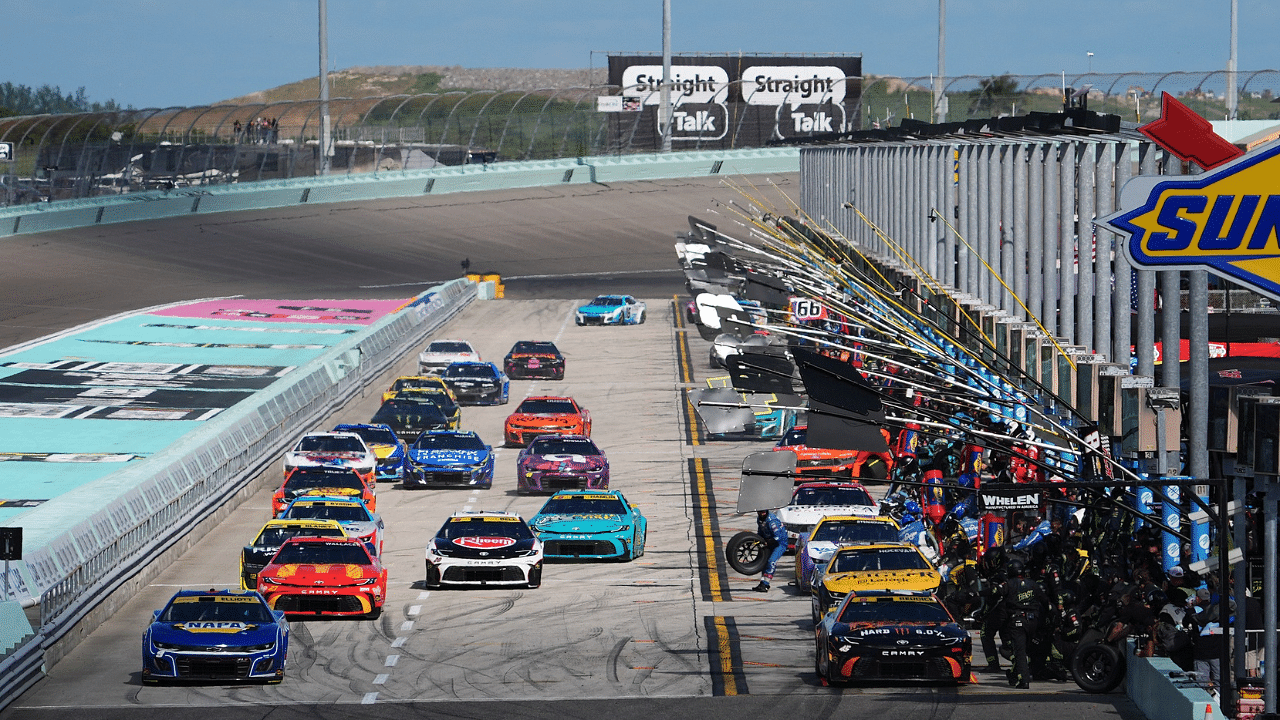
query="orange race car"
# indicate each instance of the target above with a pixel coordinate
(816, 461)
(330, 482)
(546, 415)
(324, 576)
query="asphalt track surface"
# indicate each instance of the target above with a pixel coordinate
(673, 632)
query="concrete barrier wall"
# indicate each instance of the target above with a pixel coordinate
(158, 204)
(1160, 697)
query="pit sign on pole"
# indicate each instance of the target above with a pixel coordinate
(803, 308)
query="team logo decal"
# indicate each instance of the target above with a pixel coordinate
(484, 543)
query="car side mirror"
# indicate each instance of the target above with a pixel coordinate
(279, 614)
(248, 549)
(155, 615)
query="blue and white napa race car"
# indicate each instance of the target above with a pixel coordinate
(215, 635)
(381, 439)
(591, 524)
(449, 458)
(611, 310)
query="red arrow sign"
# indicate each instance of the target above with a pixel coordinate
(1189, 136)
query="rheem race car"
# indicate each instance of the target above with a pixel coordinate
(258, 553)
(882, 566)
(324, 576)
(814, 549)
(440, 354)
(812, 501)
(590, 524)
(449, 458)
(357, 521)
(534, 359)
(382, 440)
(215, 635)
(480, 383)
(410, 417)
(484, 548)
(333, 449)
(876, 634)
(331, 482)
(561, 462)
(545, 415)
(611, 310)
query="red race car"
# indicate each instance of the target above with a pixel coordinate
(534, 359)
(546, 415)
(324, 576)
(330, 482)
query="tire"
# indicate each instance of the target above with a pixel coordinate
(375, 613)
(641, 320)
(1098, 668)
(433, 577)
(746, 553)
(535, 577)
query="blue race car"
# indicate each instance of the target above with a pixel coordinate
(215, 635)
(479, 383)
(611, 310)
(449, 458)
(591, 524)
(382, 440)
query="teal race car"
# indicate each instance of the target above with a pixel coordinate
(590, 525)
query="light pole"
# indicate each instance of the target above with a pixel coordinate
(1232, 99)
(324, 87)
(664, 109)
(1090, 62)
(940, 99)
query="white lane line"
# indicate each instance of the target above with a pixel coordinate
(398, 642)
(406, 626)
(424, 594)
(598, 273)
(414, 610)
(392, 660)
(369, 698)
(381, 679)
(573, 312)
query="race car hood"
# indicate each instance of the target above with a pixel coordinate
(214, 634)
(334, 459)
(595, 310)
(578, 523)
(448, 458)
(883, 580)
(532, 356)
(358, 528)
(892, 635)
(317, 575)
(563, 463)
(485, 546)
(542, 417)
(383, 452)
(811, 514)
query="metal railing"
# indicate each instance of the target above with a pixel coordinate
(61, 157)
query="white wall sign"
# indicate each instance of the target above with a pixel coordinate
(793, 85)
(689, 83)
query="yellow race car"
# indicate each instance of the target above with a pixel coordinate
(406, 382)
(258, 553)
(874, 566)
(438, 395)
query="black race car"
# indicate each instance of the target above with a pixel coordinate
(886, 634)
(534, 359)
(409, 418)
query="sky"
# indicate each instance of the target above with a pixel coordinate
(162, 53)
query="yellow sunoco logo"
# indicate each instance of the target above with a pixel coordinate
(1225, 220)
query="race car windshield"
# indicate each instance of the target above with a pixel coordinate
(531, 347)
(458, 370)
(832, 496)
(330, 443)
(486, 528)
(606, 301)
(448, 442)
(563, 446)
(547, 407)
(583, 506)
(341, 513)
(208, 609)
(896, 612)
(375, 436)
(433, 396)
(406, 383)
(301, 481)
(872, 559)
(858, 532)
(275, 537)
(448, 347)
(322, 554)
(422, 412)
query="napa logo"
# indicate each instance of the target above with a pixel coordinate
(1226, 220)
(203, 626)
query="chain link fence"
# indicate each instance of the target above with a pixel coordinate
(59, 157)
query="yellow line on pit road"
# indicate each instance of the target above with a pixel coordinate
(725, 652)
(708, 536)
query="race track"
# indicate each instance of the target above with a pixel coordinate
(674, 628)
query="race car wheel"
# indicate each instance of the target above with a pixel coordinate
(641, 320)
(746, 553)
(375, 613)
(535, 577)
(1098, 668)
(433, 576)
(579, 322)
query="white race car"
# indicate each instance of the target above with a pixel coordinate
(440, 354)
(484, 548)
(812, 501)
(333, 449)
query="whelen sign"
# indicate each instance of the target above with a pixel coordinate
(736, 100)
